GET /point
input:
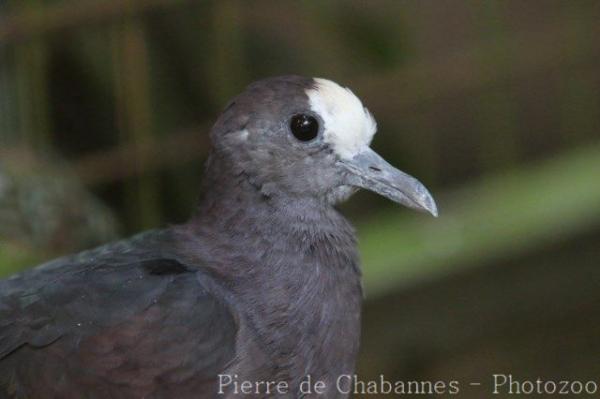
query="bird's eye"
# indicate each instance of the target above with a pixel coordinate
(304, 127)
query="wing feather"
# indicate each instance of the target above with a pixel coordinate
(128, 319)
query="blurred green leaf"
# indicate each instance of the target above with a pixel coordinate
(498, 217)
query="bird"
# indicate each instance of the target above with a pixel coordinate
(259, 290)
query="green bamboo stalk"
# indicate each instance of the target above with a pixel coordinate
(134, 110)
(495, 112)
(580, 103)
(226, 67)
(32, 89)
(8, 110)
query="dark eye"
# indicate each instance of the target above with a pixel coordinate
(304, 127)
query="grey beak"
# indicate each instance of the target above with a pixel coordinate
(370, 171)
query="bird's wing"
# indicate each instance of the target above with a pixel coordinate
(127, 316)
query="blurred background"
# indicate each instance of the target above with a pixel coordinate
(105, 106)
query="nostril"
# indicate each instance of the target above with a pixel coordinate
(375, 168)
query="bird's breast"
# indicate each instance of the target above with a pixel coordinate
(306, 320)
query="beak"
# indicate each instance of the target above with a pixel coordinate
(370, 171)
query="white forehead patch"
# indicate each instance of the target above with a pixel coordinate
(349, 126)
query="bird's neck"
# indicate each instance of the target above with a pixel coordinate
(247, 232)
(236, 206)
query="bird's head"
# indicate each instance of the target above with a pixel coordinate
(309, 138)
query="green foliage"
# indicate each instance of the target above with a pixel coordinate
(14, 258)
(499, 217)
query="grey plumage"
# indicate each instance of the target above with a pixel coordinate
(263, 282)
